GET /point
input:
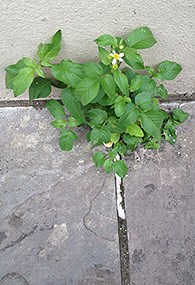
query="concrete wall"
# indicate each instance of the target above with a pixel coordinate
(24, 24)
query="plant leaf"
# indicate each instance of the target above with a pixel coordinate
(99, 158)
(12, 71)
(67, 139)
(179, 115)
(97, 116)
(23, 80)
(40, 88)
(151, 122)
(168, 70)
(133, 59)
(55, 108)
(92, 69)
(135, 130)
(87, 90)
(106, 40)
(141, 38)
(103, 55)
(73, 105)
(161, 91)
(130, 115)
(144, 100)
(108, 84)
(170, 132)
(59, 123)
(120, 168)
(68, 72)
(100, 135)
(122, 82)
(119, 106)
(47, 52)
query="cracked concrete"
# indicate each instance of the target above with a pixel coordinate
(58, 218)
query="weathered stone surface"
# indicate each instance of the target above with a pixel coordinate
(160, 202)
(58, 219)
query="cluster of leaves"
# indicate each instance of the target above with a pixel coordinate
(121, 106)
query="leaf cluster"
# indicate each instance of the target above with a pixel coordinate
(119, 105)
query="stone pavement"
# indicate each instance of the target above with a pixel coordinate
(58, 215)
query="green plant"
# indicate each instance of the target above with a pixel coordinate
(120, 106)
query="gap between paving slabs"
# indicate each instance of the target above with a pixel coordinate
(122, 229)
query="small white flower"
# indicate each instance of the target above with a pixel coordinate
(116, 57)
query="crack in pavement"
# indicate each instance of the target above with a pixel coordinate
(40, 104)
(20, 239)
(89, 211)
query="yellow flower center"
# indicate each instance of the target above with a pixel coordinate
(116, 56)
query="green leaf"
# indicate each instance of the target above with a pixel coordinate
(115, 138)
(103, 55)
(67, 139)
(40, 88)
(131, 141)
(100, 135)
(179, 115)
(29, 62)
(170, 132)
(161, 91)
(87, 90)
(114, 126)
(72, 122)
(133, 59)
(108, 84)
(101, 94)
(122, 82)
(168, 70)
(55, 108)
(150, 70)
(130, 74)
(120, 168)
(73, 105)
(119, 106)
(106, 40)
(23, 80)
(39, 71)
(130, 115)
(141, 38)
(148, 85)
(97, 116)
(135, 130)
(108, 165)
(152, 145)
(136, 82)
(151, 122)
(92, 69)
(144, 100)
(59, 123)
(12, 71)
(68, 72)
(47, 52)
(99, 158)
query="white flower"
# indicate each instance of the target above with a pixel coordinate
(116, 57)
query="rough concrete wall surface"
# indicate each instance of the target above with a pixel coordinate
(24, 24)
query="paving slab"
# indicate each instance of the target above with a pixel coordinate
(58, 219)
(160, 205)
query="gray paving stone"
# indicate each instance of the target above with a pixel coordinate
(160, 202)
(58, 219)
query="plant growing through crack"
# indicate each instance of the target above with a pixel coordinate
(119, 105)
